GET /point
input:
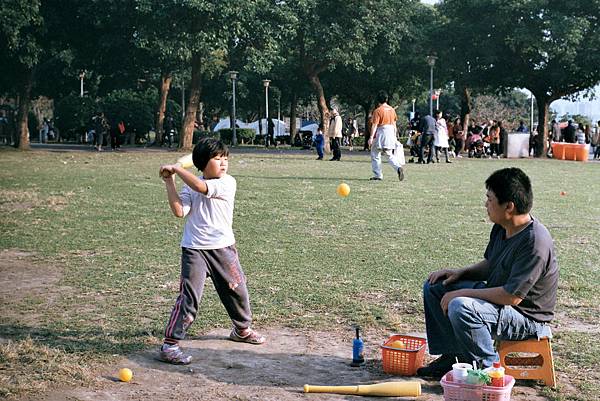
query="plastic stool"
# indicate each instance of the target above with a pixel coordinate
(537, 367)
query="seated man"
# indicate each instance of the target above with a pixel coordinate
(510, 294)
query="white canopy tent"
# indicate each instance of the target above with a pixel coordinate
(280, 126)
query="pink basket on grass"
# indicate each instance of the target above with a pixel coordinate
(473, 392)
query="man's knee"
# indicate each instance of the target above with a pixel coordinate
(461, 309)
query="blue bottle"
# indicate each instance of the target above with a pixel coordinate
(358, 355)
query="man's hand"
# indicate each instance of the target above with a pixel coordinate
(370, 142)
(448, 275)
(449, 296)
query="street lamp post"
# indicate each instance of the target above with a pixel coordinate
(278, 111)
(266, 83)
(531, 115)
(233, 75)
(81, 76)
(431, 63)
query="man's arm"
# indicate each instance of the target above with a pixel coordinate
(495, 295)
(476, 272)
(372, 136)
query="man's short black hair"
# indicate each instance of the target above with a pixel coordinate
(206, 149)
(382, 97)
(512, 185)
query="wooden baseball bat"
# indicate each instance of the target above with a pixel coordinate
(184, 162)
(387, 389)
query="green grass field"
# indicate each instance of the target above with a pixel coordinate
(100, 223)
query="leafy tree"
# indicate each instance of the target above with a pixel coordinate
(135, 108)
(204, 32)
(73, 114)
(395, 63)
(331, 33)
(547, 46)
(25, 43)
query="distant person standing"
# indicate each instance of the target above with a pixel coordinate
(44, 131)
(553, 137)
(383, 139)
(522, 127)
(494, 135)
(427, 128)
(569, 134)
(101, 128)
(440, 137)
(271, 133)
(459, 137)
(168, 131)
(503, 139)
(595, 141)
(115, 132)
(580, 134)
(320, 142)
(335, 134)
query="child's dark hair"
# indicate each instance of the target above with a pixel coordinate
(512, 184)
(206, 149)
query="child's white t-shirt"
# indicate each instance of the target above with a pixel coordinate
(209, 218)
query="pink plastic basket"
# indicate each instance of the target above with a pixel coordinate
(472, 392)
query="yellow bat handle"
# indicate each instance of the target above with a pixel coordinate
(184, 161)
(387, 389)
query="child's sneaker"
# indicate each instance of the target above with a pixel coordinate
(173, 354)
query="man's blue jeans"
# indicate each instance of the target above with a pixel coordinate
(472, 324)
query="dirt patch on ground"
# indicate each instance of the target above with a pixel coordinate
(225, 370)
(221, 369)
(21, 276)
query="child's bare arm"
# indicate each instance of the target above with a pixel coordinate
(173, 196)
(195, 183)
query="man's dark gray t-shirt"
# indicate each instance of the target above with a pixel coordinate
(525, 266)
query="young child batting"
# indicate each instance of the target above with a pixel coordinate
(207, 248)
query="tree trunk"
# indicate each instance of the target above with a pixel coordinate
(465, 114)
(315, 82)
(165, 86)
(293, 128)
(541, 139)
(187, 130)
(365, 107)
(22, 137)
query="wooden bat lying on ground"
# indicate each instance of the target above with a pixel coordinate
(184, 161)
(387, 389)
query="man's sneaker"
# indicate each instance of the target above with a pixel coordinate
(437, 368)
(400, 174)
(375, 179)
(173, 354)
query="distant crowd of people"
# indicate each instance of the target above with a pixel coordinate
(575, 133)
(430, 135)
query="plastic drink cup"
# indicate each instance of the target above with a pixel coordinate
(460, 372)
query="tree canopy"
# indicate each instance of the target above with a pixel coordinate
(307, 48)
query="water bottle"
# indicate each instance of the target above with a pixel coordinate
(358, 356)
